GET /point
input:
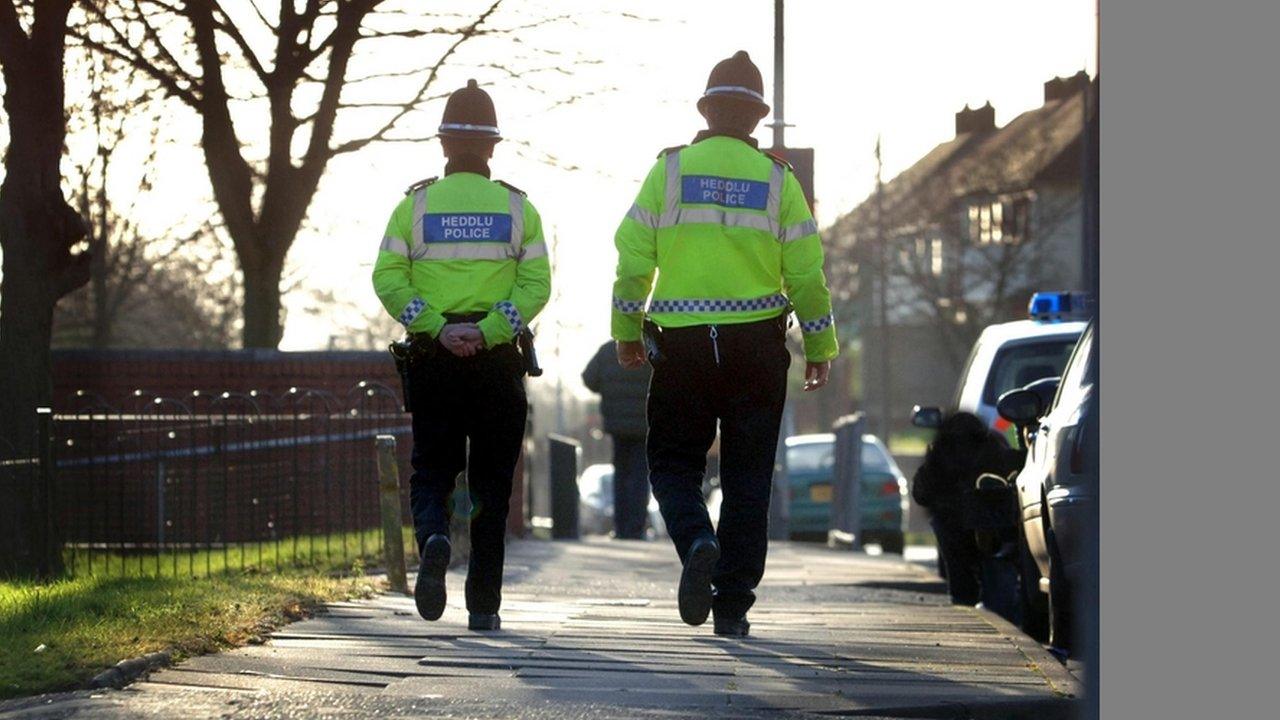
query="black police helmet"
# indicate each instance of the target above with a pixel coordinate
(469, 113)
(738, 80)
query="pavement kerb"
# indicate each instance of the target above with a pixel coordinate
(126, 671)
(1055, 673)
(1040, 709)
(1063, 682)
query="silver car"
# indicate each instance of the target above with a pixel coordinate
(595, 503)
(1056, 489)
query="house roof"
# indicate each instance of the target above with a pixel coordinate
(1002, 160)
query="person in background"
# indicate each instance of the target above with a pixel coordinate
(622, 399)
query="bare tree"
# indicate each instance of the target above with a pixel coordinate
(203, 54)
(146, 289)
(40, 235)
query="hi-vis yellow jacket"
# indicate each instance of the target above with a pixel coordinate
(732, 239)
(464, 244)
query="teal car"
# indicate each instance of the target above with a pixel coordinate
(810, 463)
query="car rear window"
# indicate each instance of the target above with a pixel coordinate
(811, 457)
(1025, 363)
(873, 459)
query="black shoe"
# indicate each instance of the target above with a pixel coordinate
(733, 627)
(428, 592)
(484, 621)
(695, 580)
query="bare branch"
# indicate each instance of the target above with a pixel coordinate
(227, 26)
(465, 35)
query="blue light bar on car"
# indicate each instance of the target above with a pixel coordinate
(1060, 306)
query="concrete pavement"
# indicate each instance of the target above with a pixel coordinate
(590, 630)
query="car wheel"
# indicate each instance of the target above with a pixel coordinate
(1061, 623)
(1033, 603)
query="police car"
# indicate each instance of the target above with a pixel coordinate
(1014, 354)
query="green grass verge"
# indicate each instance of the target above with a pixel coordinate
(910, 442)
(57, 635)
(336, 552)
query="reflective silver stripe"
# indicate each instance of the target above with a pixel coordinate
(469, 127)
(774, 207)
(515, 206)
(716, 216)
(628, 307)
(412, 311)
(723, 89)
(643, 216)
(718, 305)
(464, 251)
(672, 204)
(534, 251)
(394, 245)
(512, 315)
(799, 230)
(417, 236)
(822, 323)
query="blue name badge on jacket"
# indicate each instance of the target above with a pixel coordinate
(725, 192)
(466, 227)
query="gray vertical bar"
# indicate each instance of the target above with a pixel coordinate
(779, 124)
(846, 521)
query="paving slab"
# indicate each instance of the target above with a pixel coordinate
(591, 630)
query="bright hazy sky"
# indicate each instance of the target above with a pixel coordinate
(854, 70)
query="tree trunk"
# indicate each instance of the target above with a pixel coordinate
(37, 231)
(263, 319)
(26, 324)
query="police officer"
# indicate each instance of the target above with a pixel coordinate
(735, 247)
(464, 268)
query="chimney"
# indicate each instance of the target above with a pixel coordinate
(982, 119)
(1063, 88)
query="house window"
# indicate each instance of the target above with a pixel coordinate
(935, 256)
(1018, 220)
(1000, 221)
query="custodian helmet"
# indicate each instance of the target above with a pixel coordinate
(469, 113)
(736, 78)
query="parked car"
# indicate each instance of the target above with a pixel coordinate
(1012, 355)
(810, 468)
(595, 503)
(1056, 489)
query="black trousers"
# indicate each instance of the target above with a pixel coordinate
(737, 379)
(630, 487)
(958, 549)
(478, 400)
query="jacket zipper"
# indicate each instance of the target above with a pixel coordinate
(715, 346)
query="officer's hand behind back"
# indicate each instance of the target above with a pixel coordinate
(463, 340)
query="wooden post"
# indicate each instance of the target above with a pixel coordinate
(389, 501)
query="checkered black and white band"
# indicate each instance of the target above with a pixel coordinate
(813, 326)
(628, 306)
(718, 305)
(509, 310)
(412, 311)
